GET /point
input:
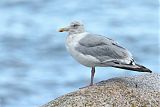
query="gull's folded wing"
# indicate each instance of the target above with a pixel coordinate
(102, 48)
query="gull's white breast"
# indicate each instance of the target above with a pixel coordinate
(71, 42)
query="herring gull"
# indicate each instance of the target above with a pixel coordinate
(93, 50)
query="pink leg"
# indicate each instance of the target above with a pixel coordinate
(92, 75)
(92, 78)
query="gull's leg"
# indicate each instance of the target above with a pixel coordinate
(92, 75)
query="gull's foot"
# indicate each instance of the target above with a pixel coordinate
(86, 86)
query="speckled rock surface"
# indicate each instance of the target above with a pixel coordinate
(136, 91)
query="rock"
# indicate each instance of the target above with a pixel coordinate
(135, 91)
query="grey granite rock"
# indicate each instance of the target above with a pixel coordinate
(135, 91)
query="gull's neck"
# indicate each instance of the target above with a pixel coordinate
(76, 31)
(78, 34)
(72, 39)
(76, 37)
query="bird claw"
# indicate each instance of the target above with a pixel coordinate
(86, 86)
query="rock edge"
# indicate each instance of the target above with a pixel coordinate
(135, 91)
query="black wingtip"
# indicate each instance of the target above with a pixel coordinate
(144, 69)
(150, 71)
(135, 67)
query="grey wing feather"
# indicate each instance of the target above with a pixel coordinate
(102, 48)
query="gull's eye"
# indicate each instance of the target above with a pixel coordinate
(75, 25)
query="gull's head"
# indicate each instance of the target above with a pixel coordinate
(74, 28)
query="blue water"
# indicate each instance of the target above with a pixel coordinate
(34, 64)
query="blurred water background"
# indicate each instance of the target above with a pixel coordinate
(34, 64)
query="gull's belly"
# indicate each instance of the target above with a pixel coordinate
(85, 60)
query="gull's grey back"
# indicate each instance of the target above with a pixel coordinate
(102, 48)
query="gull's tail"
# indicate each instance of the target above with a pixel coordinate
(135, 67)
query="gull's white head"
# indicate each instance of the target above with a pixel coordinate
(74, 28)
